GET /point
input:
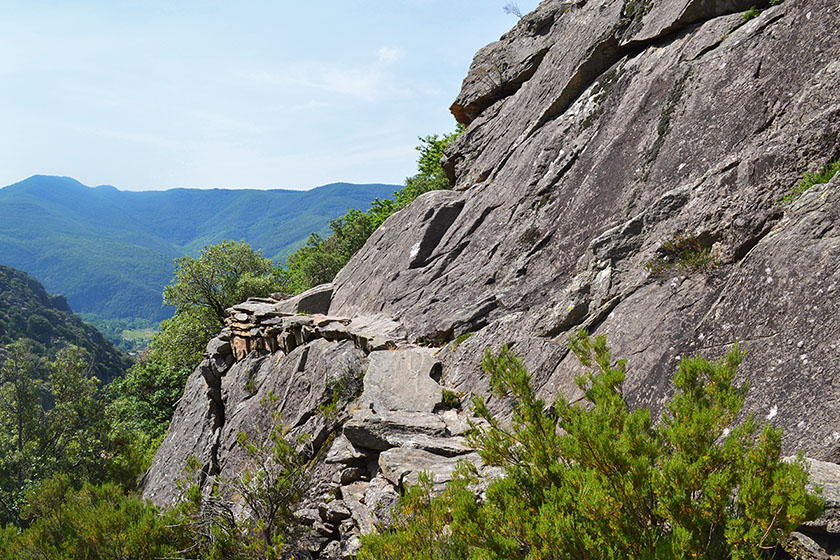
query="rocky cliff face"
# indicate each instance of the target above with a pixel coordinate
(606, 140)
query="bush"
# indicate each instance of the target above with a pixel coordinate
(808, 180)
(94, 521)
(596, 480)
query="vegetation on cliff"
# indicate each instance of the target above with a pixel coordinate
(588, 479)
(594, 479)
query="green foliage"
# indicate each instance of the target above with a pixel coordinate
(51, 420)
(27, 311)
(594, 479)
(269, 488)
(342, 389)
(686, 251)
(420, 528)
(93, 522)
(202, 288)
(808, 180)
(221, 276)
(450, 399)
(130, 335)
(461, 338)
(751, 13)
(321, 258)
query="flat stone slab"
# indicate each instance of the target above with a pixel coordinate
(827, 476)
(402, 380)
(383, 431)
(344, 452)
(402, 467)
(313, 301)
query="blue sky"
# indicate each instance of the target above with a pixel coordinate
(258, 94)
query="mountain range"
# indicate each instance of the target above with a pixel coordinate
(110, 252)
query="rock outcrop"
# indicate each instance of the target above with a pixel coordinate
(603, 138)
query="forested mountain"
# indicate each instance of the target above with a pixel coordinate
(28, 311)
(110, 251)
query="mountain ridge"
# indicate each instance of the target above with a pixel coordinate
(85, 241)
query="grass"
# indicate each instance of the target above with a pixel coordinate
(808, 180)
(684, 250)
(450, 399)
(461, 338)
(751, 13)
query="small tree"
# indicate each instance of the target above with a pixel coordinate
(223, 275)
(596, 480)
(268, 488)
(513, 9)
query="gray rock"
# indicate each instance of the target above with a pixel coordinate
(218, 348)
(803, 547)
(825, 476)
(402, 467)
(256, 307)
(569, 186)
(334, 511)
(402, 380)
(456, 424)
(598, 132)
(307, 516)
(381, 498)
(314, 300)
(342, 451)
(377, 431)
(352, 474)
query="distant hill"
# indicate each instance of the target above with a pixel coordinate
(110, 252)
(28, 311)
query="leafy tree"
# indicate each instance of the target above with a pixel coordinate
(77, 425)
(48, 426)
(21, 427)
(223, 275)
(201, 290)
(594, 479)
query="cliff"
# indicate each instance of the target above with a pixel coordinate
(624, 169)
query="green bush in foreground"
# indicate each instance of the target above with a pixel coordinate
(596, 480)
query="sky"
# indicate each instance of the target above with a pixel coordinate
(153, 94)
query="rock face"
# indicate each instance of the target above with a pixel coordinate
(603, 137)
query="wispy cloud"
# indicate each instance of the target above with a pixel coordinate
(371, 81)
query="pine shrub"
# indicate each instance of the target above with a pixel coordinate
(594, 479)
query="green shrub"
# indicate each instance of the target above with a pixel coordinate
(808, 180)
(751, 13)
(684, 250)
(596, 480)
(94, 521)
(450, 399)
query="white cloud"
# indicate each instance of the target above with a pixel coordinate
(371, 81)
(389, 55)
